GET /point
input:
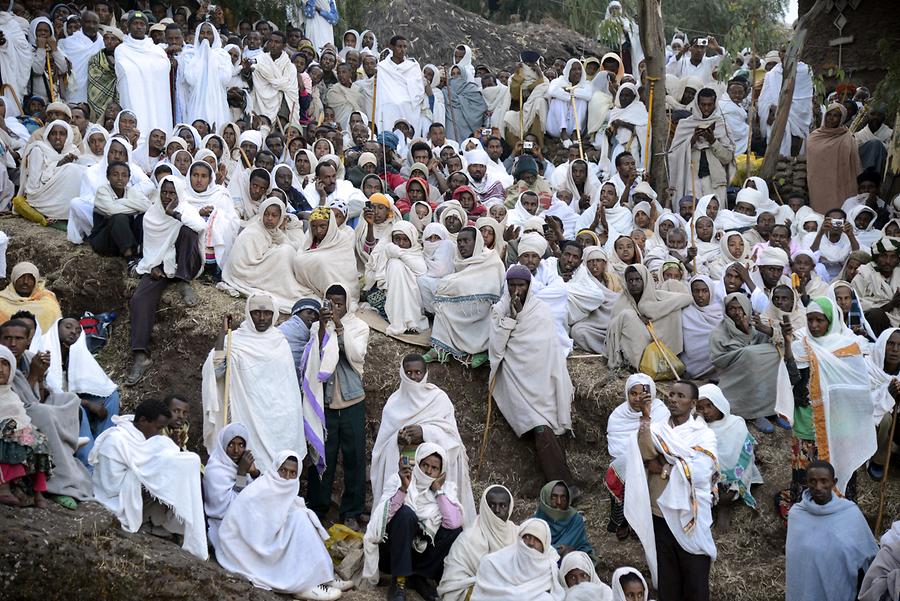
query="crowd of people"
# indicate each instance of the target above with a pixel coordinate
(344, 187)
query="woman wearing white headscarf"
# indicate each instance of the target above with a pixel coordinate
(697, 321)
(94, 133)
(560, 118)
(592, 293)
(327, 257)
(438, 252)
(393, 269)
(627, 129)
(579, 578)
(627, 582)
(228, 471)
(270, 537)
(52, 177)
(207, 72)
(523, 571)
(263, 256)
(883, 377)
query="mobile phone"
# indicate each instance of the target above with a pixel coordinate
(368, 204)
(404, 460)
(646, 389)
(853, 319)
(485, 132)
(528, 145)
(327, 304)
(785, 320)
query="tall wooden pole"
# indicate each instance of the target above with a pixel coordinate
(651, 25)
(785, 98)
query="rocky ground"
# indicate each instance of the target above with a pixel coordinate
(83, 554)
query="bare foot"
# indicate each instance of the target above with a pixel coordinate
(187, 294)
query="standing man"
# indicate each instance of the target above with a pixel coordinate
(401, 87)
(694, 62)
(273, 80)
(800, 117)
(671, 509)
(320, 17)
(829, 545)
(102, 86)
(142, 71)
(79, 48)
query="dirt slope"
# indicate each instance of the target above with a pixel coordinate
(51, 555)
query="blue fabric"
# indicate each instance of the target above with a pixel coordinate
(297, 335)
(350, 381)
(92, 428)
(571, 532)
(309, 11)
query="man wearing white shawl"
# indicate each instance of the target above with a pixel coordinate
(414, 524)
(671, 509)
(207, 71)
(344, 98)
(274, 82)
(142, 76)
(884, 366)
(79, 47)
(229, 470)
(801, 113)
(334, 411)
(592, 292)
(736, 115)
(319, 18)
(829, 545)
(462, 302)
(52, 176)
(528, 88)
(270, 537)
(15, 61)
(697, 321)
(400, 86)
(878, 285)
(621, 427)
(523, 571)
(420, 412)
(627, 130)
(547, 285)
(533, 396)
(702, 150)
(571, 89)
(491, 531)
(262, 380)
(132, 458)
(498, 100)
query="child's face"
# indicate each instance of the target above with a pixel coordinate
(96, 143)
(118, 178)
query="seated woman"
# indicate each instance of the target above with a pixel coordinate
(524, 571)
(577, 573)
(697, 321)
(640, 305)
(732, 248)
(417, 190)
(24, 451)
(378, 219)
(118, 211)
(228, 472)
(26, 292)
(621, 427)
(438, 252)
(453, 217)
(414, 524)
(592, 292)
(567, 528)
(469, 202)
(735, 452)
(393, 271)
(264, 255)
(270, 537)
(628, 584)
(746, 360)
(625, 253)
(217, 208)
(327, 256)
(52, 177)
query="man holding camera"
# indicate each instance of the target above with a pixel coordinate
(692, 61)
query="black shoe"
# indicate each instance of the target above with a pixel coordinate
(875, 471)
(396, 591)
(423, 586)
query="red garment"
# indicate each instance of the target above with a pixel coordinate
(394, 179)
(615, 485)
(478, 210)
(405, 204)
(9, 472)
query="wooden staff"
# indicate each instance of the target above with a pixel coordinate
(50, 75)
(374, 96)
(247, 162)
(227, 373)
(693, 220)
(521, 116)
(577, 127)
(887, 466)
(652, 81)
(660, 346)
(487, 426)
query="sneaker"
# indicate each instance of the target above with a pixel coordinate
(323, 592)
(397, 590)
(341, 585)
(763, 425)
(423, 586)
(875, 471)
(782, 423)
(478, 359)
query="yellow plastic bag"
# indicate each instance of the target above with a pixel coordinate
(25, 210)
(654, 364)
(339, 532)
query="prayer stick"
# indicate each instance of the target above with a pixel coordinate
(887, 467)
(577, 127)
(646, 148)
(50, 75)
(693, 217)
(227, 374)
(487, 426)
(521, 116)
(247, 162)
(660, 346)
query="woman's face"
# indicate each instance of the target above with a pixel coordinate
(321, 148)
(349, 40)
(575, 73)
(401, 240)
(487, 233)
(671, 273)
(704, 229)
(182, 162)
(301, 162)
(498, 212)
(626, 97)
(215, 146)
(803, 265)
(608, 195)
(712, 209)
(833, 118)
(736, 245)
(229, 136)
(642, 219)
(421, 210)
(708, 411)
(96, 142)
(576, 576)
(117, 152)
(597, 268)
(416, 192)
(200, 178)
(453, 224)
(892, 229)
(734, 311)
(810, 226)
(271, 217)
(467, 200)
(381, 212)
(863, 220)
(851, 269)
(664, 228)
(188, 136)
(624, 248)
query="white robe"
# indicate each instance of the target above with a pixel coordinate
(800, 117)
(274, 81)
(79, 49)
(207, 71)
(142, 73)
(401, 91)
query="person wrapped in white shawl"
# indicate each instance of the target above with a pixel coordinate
(229, 470)
(132, 457)
(260, 373)
(207, 71)
(523, 571)
(627, 130)
(52, 177)
(578, 576)
(592, 292)
(491, 532)
(569, 95)
(394, 267)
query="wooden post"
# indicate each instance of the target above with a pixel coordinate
(785, 98)
(651, 25)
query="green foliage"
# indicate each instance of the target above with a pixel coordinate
(888, 90)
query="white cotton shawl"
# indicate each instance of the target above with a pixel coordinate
(697, 323)
(879, 380)
(126, 464)
(264, 385)
(586, 293)
(617, 593)
(634, 113)
(207, 71)
(419, 497)
(624, 421)
(486, 535)
(142, 74)
(270, 537)
(161, 231)
(84, 376)
(520, 573)
(529, 393)
(396, 270)
(332, 260)
(79, 49)
(11, 406)
(425, 405)
(731, 435)
(686, 502)
(498, 100)
(438, 255)
(579, 560)
(219, 478)
(15, 61)
(274, 81)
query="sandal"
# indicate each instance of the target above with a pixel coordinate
(65, 501)
(138, 371)
(478, 359)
